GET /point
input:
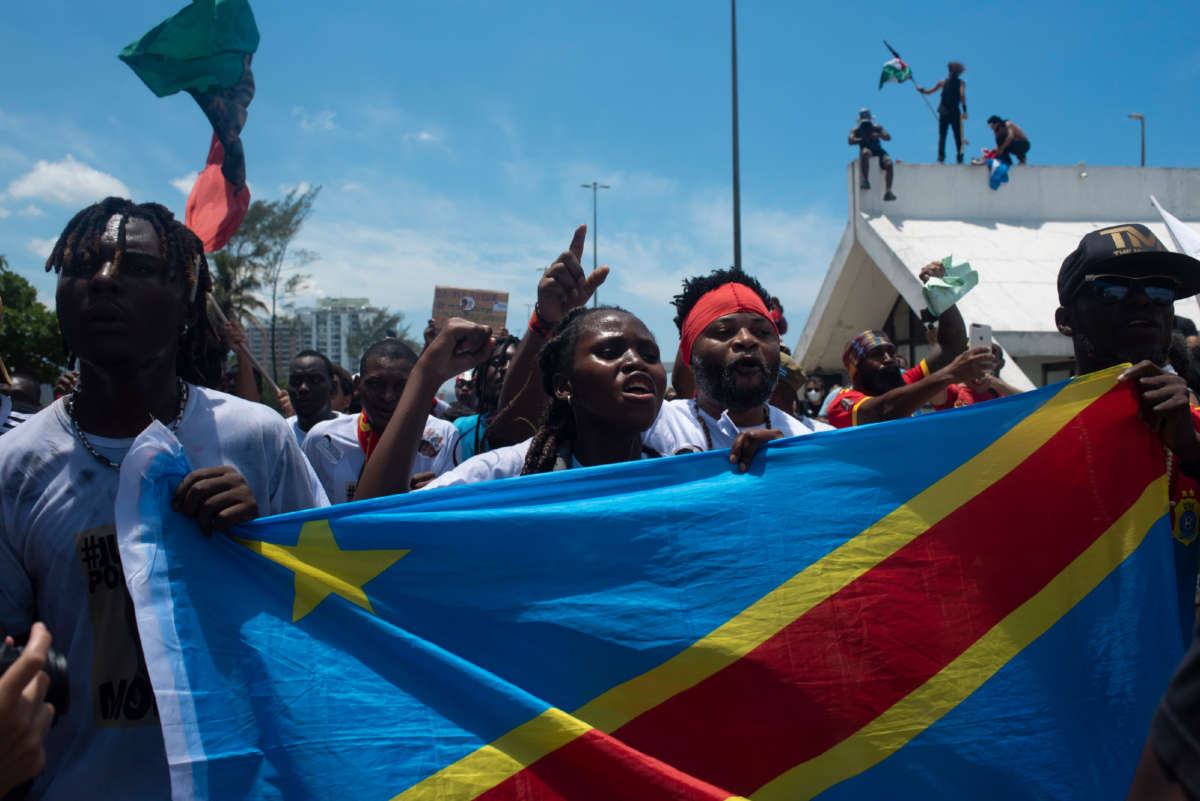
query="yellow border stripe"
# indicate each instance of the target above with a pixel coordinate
(925, 705)
(488, 766)
(735, 638)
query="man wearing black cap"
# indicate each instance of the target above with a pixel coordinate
(866, 134)
(1117, 292)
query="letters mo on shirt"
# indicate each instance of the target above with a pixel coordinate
(120, 687)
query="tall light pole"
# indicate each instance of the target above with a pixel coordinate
(737, 194)
(595, 187)
(1142, 121)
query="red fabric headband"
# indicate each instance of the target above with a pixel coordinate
(726, 299)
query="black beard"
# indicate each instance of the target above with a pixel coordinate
(885, 381)
(718, 383)
(1088, 357)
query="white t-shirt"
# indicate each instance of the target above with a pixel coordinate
(59, 563)
(678, 427)
(332, 447)
(496, 463)
(294, 422)
(503, 462)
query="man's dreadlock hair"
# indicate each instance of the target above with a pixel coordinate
(699, 286)
(557, 356)
(485, 406)
(201, 351)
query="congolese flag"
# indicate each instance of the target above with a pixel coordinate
(974, 604)
(895, 71)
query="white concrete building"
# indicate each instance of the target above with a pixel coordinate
(1015, 237)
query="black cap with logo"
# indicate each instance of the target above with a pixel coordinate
(1130, 249)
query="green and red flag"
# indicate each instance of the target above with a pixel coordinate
(894, 71)
(205, 49)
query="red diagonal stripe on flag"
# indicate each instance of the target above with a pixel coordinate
(850, 658)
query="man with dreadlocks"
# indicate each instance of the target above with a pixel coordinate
(487, 380)
(130, 302)
(339, 448)
(731, 344)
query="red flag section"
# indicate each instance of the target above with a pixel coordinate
(214, 208)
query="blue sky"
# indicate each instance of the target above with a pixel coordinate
(450, 138)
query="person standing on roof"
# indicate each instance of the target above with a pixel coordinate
(954, 94)
(866, 134)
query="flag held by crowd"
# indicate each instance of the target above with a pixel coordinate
(894, 71)
(206, 49)
(996, 608)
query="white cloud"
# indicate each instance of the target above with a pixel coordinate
(31, 211)
(67, 182)
(318, 121)
(184, 184)
(351, 187)
(41, 247)
(461, 244)
(4, 213)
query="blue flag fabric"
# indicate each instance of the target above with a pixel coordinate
(859, 616)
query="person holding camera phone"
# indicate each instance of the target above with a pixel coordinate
(25, 716)
(880, 391)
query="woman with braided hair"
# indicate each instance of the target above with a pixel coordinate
(130, 302)
(602, 371)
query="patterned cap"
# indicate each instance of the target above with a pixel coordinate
(860, 346)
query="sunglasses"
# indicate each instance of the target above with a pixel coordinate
(1160, 289)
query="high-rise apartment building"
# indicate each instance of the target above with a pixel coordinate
(327, 327)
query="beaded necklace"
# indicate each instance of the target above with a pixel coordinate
(69, 401)
(704, 426)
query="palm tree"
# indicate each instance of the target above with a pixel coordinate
(380, 325)
(235, 280)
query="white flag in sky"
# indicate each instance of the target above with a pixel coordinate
(1184, 236)
(1186, 239)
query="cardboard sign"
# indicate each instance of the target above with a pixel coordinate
(478, 305)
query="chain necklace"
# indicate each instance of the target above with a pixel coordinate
(766, 423)
(69, 401)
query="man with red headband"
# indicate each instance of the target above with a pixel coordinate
(732, 345)
(880, 391)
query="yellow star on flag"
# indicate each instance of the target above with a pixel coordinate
(322, 568)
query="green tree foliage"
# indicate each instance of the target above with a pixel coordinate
(380, 325)
(259, 258)
(280, 222)
(30, 340)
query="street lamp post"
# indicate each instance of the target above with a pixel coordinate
(595, 187)
(1142, 121)
(737, 177)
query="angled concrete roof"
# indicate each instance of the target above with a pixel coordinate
(1015, 237)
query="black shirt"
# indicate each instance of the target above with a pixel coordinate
(951, 95)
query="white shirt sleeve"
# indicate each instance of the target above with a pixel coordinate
(496, 463)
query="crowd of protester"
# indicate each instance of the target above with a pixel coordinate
(584, 385)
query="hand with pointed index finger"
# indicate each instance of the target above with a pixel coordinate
(564, 286)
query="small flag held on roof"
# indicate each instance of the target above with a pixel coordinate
(894, 71)
(205, 49)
